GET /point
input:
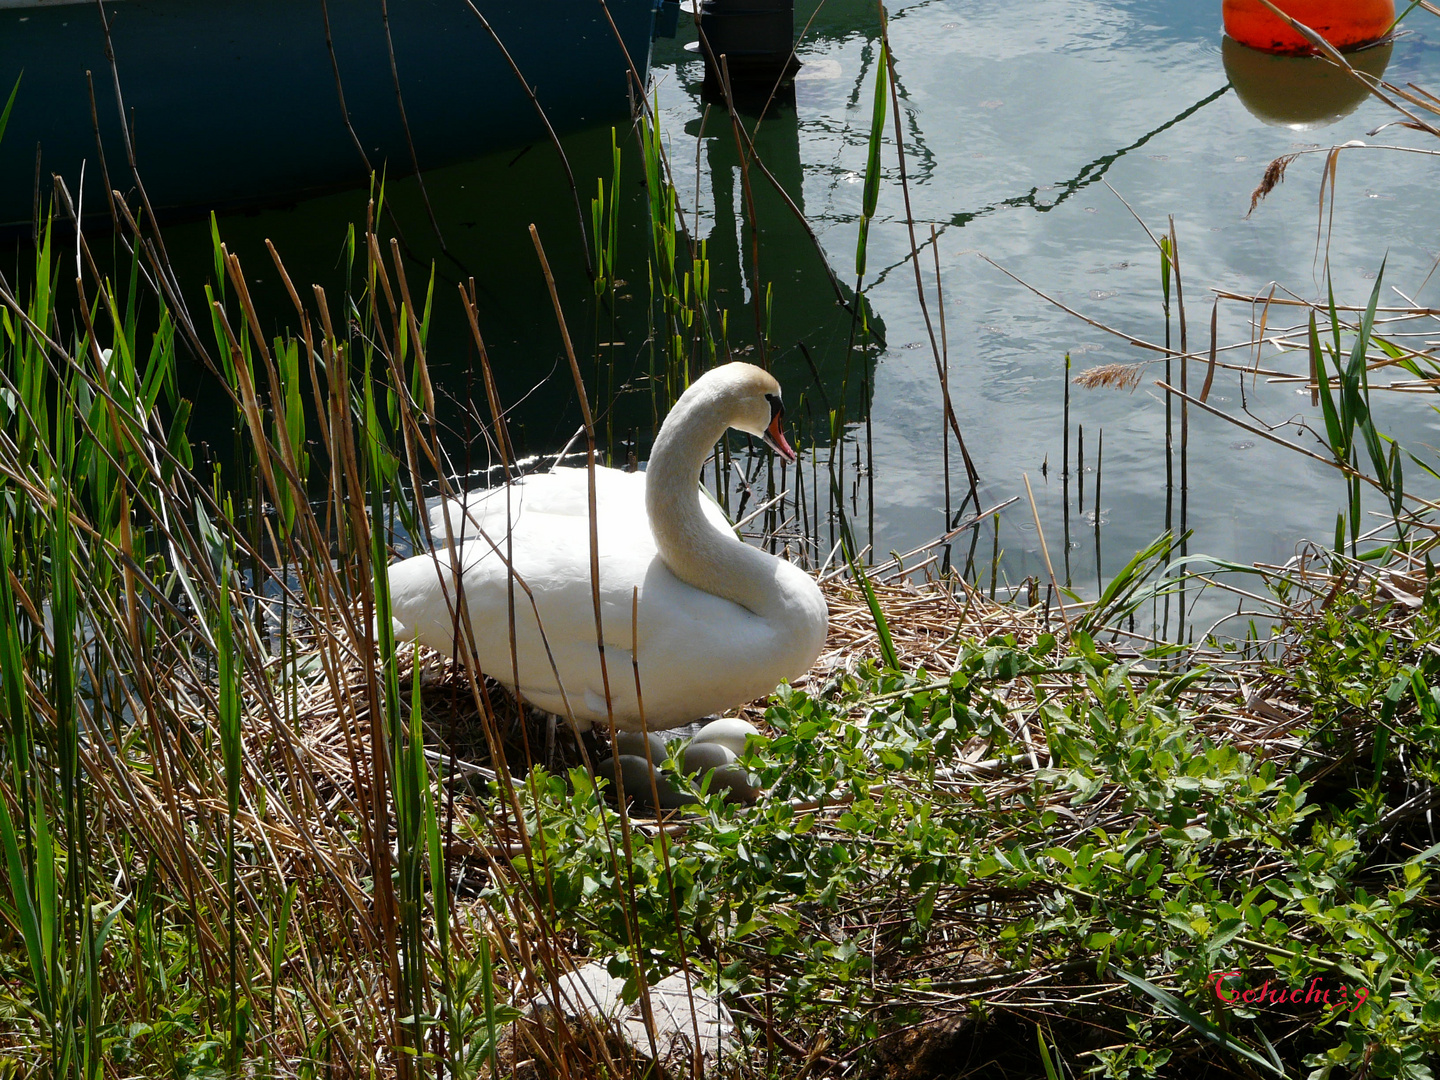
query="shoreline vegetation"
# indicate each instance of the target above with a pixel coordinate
(1005, 830)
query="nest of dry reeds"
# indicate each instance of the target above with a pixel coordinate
(927, 621)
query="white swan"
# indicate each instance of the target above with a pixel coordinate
(720, 623)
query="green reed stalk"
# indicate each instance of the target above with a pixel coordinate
(9, 104)
(1346, 411)
(888, 652)
(681, 294)
(665, 287)
(1165, 270)
(32, 881)
(63, 688)
(401, 746)
(605, 236)
(871, 196)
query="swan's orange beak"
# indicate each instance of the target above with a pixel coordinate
(775, 438)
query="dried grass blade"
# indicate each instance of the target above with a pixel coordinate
(1210, 371)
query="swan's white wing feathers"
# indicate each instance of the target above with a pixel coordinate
(692, 644)
(697, 652)
(562, 493)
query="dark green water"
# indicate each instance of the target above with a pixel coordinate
(1013, 115)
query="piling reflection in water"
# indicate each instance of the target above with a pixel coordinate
(823, 340)
(811, 308)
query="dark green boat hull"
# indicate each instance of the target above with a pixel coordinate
(238, 102)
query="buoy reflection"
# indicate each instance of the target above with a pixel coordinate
(1300, 92)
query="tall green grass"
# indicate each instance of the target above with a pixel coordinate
(191, 890)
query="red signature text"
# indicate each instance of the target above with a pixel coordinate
(1315, 992)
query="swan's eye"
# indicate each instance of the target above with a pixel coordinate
(776, 409)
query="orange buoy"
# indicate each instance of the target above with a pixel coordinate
(1346, 24)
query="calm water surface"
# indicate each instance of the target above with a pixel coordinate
(1012, 120)
(1013, 115)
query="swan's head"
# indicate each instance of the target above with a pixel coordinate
(749, 399)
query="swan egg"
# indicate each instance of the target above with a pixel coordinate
(635, 776)
(719, 760)
(633, 743)
(729, 732)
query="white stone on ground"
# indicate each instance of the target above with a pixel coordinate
(592, 991)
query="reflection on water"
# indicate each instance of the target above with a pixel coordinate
(484, 209)
(1011, 119)
(809, 307)
(1300, 92)
(241, 102)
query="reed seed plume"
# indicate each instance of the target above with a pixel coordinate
(1111, 376)
(1273, 178)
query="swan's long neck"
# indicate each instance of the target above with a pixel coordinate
(694, 549)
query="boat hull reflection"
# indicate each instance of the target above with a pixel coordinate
(238, 102)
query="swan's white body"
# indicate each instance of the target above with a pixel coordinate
(719, 623)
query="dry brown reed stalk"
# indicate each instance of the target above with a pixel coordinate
(938, 353)
(1286, 341)
(627, 868)
(1270, 436)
